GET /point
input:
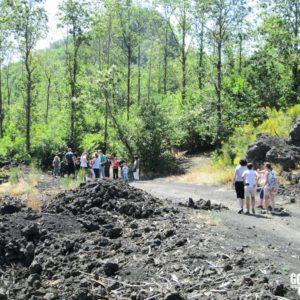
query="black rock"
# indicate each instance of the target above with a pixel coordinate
(174, 296)
(110, 268)
(35, 267)
(31, 232)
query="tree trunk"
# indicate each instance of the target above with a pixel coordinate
(128, 78)
(1, 104)
(219, 89)
(106, 123)
(99, 53)
(166, 59)
(108, 41)
(8, 87)
(149, 81)
(48, 97)
(183, 57)
(28, 101)
(139, 73)
(240, 53)
(201, 54)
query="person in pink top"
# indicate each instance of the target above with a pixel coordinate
(115, 166)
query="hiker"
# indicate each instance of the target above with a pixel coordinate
(136, 168)
(125, 171)
(70, 162)
(83, 160)
(96, 165)
(84, 163)
(115, 166)
(56, 166)
(238, 183)
(250, 181)
(107, 167)
(102, 158)
(91, 168)
(263, 179)
(270, 187)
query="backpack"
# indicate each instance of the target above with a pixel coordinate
(273, 182)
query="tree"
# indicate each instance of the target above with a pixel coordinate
(282, 31)
(4, 49)
(223, 15)
(75, 16)
(29, 23)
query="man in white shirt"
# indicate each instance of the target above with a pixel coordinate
(250, 181)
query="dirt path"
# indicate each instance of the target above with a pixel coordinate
(276, 239)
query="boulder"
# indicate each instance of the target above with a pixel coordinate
(295, 133)
(275, 150)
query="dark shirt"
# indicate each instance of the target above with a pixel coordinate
(69, 157)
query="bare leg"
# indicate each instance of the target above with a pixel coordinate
(248, 203)
(253, 204)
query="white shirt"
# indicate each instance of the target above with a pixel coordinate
(250, 178)
(83, 161)
(239, 171)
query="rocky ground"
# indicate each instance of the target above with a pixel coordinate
(108, 240)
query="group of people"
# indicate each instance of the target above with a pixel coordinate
(248, 182)
(96, 167)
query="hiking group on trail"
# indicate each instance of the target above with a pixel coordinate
(97, 167)
(248, 182)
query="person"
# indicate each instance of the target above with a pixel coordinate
(115, 166)
(125, 172)
(136, 168)
(238, 183)
(56, 166)
(270, 187)
(91, 169)
(102, 158)
(84, 163)
(107, 167)
(250, 181)
(96, 166)
(70, 162)
(263, 179)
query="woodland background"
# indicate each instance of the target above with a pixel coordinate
(147, 77)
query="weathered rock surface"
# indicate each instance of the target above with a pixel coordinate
(295, 133)
(275, 150)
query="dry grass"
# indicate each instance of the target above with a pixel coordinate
(206, 173)
(34, 203)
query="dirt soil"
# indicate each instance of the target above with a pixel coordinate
(109, 240)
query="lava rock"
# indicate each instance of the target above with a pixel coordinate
(174, 296)
(110, 268)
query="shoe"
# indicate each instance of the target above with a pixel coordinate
(259, 206)
(270, 208)
(253, 211)
(247, 212)
(240, 211)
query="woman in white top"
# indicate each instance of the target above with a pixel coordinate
(83, 160)
(238, 183)
(250, 180)
(84, 163)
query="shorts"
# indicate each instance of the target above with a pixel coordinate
(239, 188)
(250, 191)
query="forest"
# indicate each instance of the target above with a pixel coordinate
(143, 77)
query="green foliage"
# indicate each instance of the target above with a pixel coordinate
(277, 123)
(83, 83)
(152, 139)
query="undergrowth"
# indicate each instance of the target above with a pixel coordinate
(278, 123)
